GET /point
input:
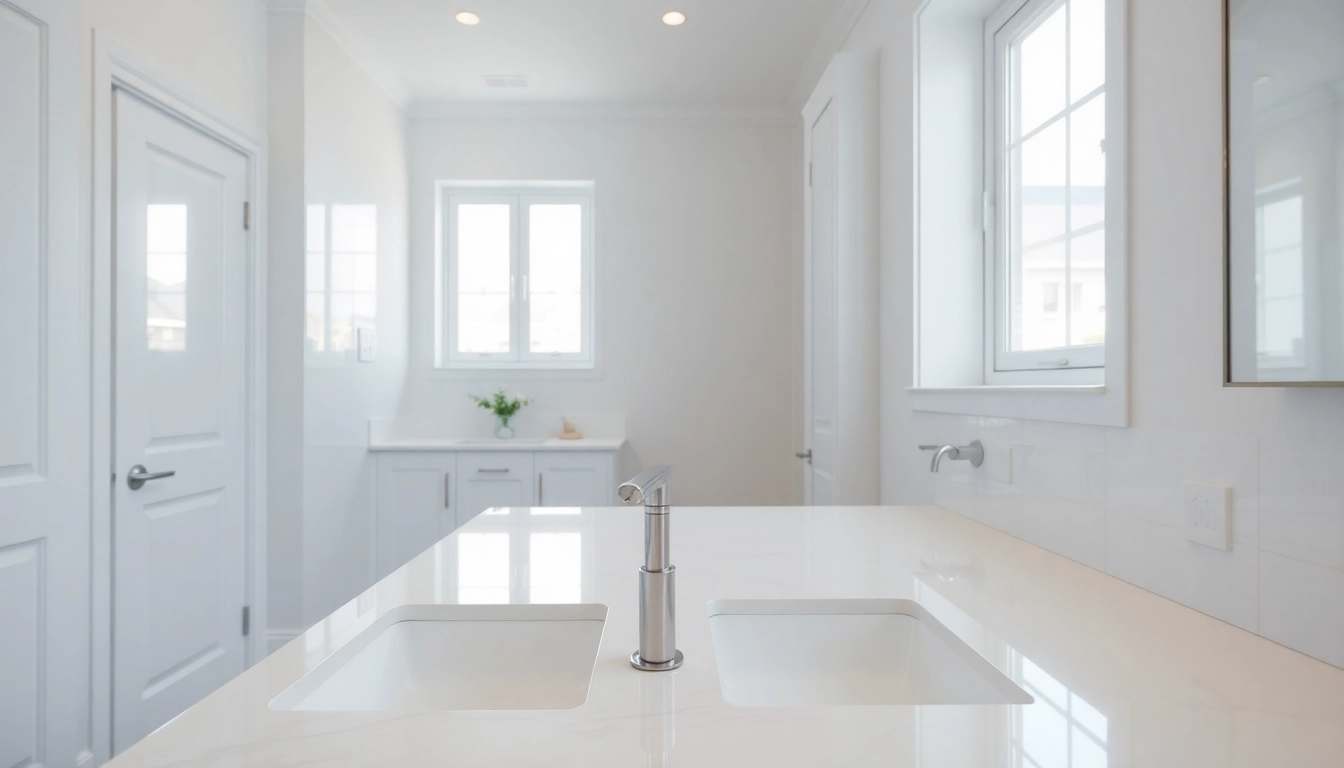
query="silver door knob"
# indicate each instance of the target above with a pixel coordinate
(805, 455)
(138, 476)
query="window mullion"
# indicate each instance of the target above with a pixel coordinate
(524, 279)
(1068, 174)
(516, 288)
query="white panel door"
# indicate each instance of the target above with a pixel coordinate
(574, 480)
(821, 409)
(44, 392)
(493, 479)
(415, 505)
(180, 396)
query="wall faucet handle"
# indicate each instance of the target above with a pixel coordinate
(649, 487)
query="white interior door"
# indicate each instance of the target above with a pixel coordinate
(179, 398)
(822, 373)
(44, 386)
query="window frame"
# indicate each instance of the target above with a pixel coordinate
(1076, 364)
(519, 197)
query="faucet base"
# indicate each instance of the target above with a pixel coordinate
(646, 666)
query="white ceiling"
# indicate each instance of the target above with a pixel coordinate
(741, 55)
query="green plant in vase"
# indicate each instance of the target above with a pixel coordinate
(504, 408)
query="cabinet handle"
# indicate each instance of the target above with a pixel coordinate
(447, 490)
(494, 471)
(540, 478)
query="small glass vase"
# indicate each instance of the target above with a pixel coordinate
(502, 429)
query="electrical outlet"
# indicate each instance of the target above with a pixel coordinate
(1208, 515)
(368, 346)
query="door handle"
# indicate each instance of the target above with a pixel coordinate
(138, 476)
(805, 455)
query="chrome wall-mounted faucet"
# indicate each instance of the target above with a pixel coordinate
(657, 579)
(974, 453)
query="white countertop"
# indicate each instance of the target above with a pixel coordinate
(517, 444)
(1156, 683)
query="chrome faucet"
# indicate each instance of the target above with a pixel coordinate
(657, 579)
(974, 453)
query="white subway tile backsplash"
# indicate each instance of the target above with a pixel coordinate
(1076, 531)
(1302, 607)
(1302, 501)
(973, 492)
(1159, 559)
(1112, 499)
(1146, 470)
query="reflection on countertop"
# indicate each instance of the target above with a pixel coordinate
(1121, 677)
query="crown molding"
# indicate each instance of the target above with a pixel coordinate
(833, 36)
(650, 112)
(349, 40)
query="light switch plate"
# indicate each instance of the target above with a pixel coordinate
(1208, 515)
(368, 346)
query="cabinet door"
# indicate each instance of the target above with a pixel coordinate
(415, 505)
(574, 480)
(493, 479)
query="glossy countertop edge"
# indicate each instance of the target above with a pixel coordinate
(1177, 687)
(510, 446)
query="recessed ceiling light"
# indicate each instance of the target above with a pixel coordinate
(674, 18)
(1261, 80)
(468, 18)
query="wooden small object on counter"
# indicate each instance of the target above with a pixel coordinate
(571, 431)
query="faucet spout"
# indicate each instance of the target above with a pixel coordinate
(974, 453)
(946, 450)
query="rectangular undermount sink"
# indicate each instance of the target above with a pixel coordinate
(830, 653)
(459, 657)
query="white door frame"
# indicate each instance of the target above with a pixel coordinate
(116, 68)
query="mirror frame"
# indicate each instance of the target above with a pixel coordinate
(1227, 227)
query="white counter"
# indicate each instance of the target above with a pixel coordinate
(1135, 680)
(517, 444)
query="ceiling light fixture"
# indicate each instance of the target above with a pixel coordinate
(468, 18)
(674, 18)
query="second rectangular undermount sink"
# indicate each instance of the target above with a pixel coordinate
(459, 657)
(828, 653)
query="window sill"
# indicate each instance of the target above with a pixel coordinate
(1092, 404)
(498, 372)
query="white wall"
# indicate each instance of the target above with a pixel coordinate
(1111, 498)
(695, 284)
(214, 48)
(284, 315)
(354, 154)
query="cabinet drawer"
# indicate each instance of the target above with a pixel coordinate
(493, 479)
(574, 479)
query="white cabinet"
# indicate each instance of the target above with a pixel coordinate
(424, 495)
(493, 479)
(574, 479)
(416, 505)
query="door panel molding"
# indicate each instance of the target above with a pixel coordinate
(115, 68)
(24, 51)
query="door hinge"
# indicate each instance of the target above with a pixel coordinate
(247, 621)
(247, 215)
